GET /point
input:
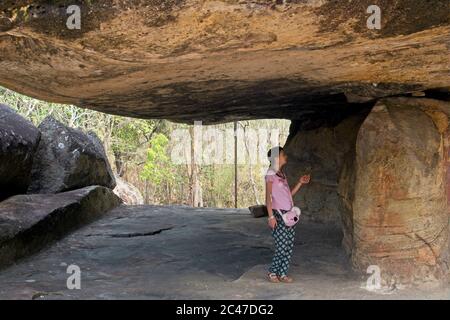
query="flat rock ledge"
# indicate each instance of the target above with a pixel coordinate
(29, 223)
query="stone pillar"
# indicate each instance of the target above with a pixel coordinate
(400, 219)
(321, 151)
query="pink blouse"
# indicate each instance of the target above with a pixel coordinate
(281, 193)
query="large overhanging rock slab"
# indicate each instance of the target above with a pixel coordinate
(222, 60)
(30, 222)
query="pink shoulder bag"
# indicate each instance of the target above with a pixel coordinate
(292, 216)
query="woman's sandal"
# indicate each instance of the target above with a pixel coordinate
(273, 278)
(285, 279)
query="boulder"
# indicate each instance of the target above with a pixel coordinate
(19, 139)
(68, 159)
(30, 222)
(400, 220)
(129, 194)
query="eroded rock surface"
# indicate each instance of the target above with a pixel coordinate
(68, 159)
(30, 222)
(400, 214)
(320, 149)
(19, 139)
(222, 60)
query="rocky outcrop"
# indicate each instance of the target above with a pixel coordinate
(129, 194)
(308, 61)
(30, 222)
(400, 218)
(51, 159)
(68, 159)
(221, 60)
(18, 142)
(383, 174)
(321, 149)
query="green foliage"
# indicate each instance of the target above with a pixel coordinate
(158, 168)
(125, 136)
(130, 135)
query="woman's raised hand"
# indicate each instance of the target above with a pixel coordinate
(305, 179)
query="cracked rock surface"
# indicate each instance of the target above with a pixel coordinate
(186, 253)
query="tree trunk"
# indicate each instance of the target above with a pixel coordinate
(252, 180)
(195, 186)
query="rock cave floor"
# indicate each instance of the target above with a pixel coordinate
(153, 252)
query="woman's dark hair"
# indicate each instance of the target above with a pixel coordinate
(274, 152)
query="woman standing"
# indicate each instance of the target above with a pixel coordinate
(278, 201)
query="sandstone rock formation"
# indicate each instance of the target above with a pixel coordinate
(383, 174)
(30, 222)
(312, 61)
(68, 159)
(400, 219)
(321, 151)
(129, 194)
(221, 60)
(18, 142)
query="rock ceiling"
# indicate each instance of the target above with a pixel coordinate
(218, 61)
